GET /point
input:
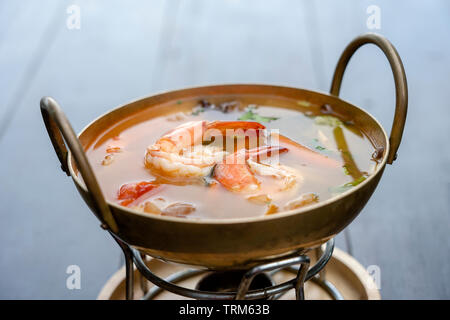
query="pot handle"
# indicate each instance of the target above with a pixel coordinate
(401, 88)
(61, 133)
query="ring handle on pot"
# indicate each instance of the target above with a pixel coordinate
(61, 133)
(401, 88)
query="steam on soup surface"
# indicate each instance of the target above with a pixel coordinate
(229, 157)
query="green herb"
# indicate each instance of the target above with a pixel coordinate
(250, 115)
(346, 170)
(320, 148)
(347, 186)
(196, 111)
(328, 121)
(179, 102)
(304, 103)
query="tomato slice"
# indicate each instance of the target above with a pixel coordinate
(129, 192)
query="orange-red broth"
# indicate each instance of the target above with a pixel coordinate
(298, 120)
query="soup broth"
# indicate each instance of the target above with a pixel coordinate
(337, 158)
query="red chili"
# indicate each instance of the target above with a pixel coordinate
(131, 191)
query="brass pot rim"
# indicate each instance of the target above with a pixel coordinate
(230, 221)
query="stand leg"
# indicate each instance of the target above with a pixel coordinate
(130, 275)
(142, 280)
(300, 284)
(318, 252)
(129, 283)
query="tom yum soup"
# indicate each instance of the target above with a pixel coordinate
(230, 157)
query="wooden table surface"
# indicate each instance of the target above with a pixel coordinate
(125, 50)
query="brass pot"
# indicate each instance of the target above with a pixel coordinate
(237, 243)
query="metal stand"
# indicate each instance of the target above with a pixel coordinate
(297, 264)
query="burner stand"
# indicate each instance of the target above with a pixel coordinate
(253, 284)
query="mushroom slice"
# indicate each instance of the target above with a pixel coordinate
(259, 199)
(150, 207)
(109, 158)
(304, 200)
(178, 209)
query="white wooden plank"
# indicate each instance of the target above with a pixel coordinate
(46, 226)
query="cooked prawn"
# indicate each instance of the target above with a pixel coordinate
(181, 152)
(235, 172)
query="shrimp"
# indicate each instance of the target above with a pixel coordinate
(287, 175)
(235, 172)
(181, 152)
